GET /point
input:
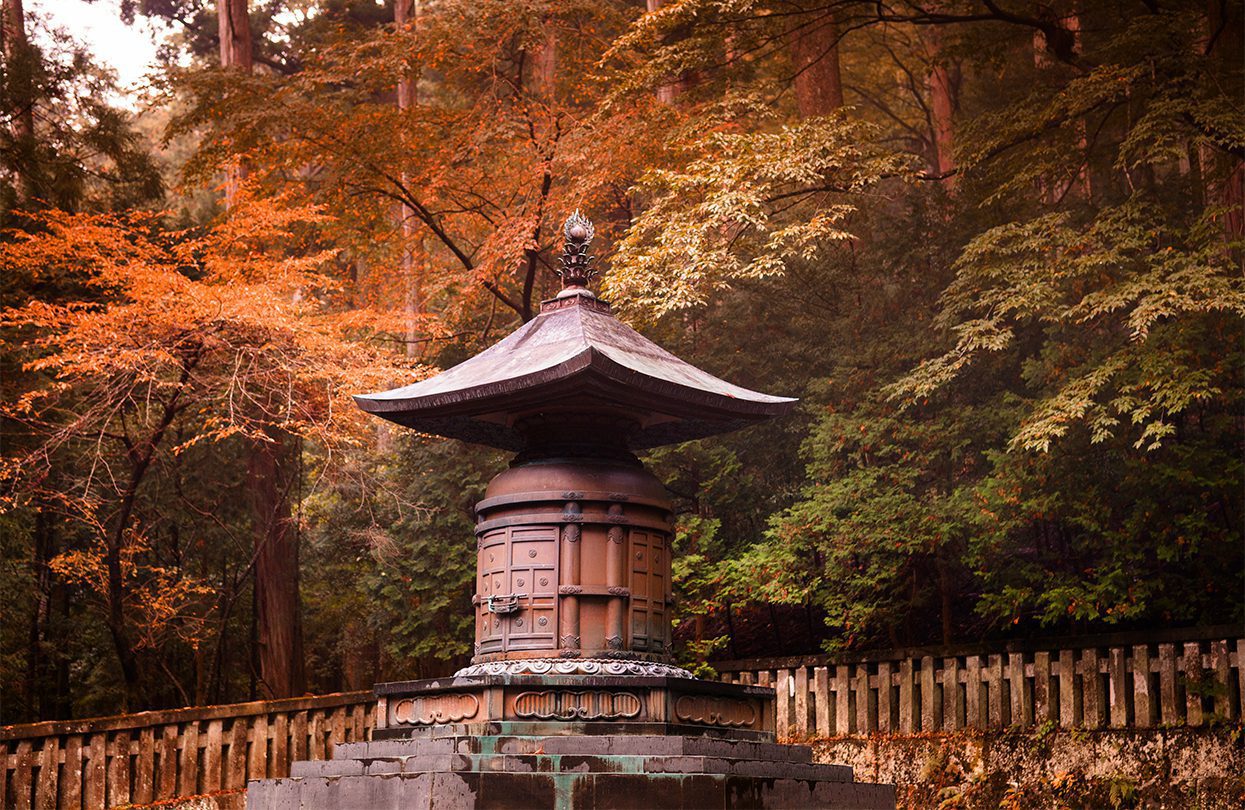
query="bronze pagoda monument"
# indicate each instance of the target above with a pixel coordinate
(572, 699)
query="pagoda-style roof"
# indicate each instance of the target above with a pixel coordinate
(574, 359)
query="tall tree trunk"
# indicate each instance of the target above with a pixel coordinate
(815, 58)
(669, 90)
(234, 33)
(942, 104)
(20, 66)
(35, 693)
(545, 63)
(271, 475)
(278, 614)
(1223, 175)
(413, 252)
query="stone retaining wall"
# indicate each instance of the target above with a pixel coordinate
(1052, 768)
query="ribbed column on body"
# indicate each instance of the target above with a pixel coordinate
(568, 605)
(615, 580)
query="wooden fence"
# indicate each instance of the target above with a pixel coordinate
(150, 756)
(1194, 681)
(1162, 679)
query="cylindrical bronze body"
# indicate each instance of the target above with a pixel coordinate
(574, 562)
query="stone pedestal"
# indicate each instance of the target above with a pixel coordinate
(444, 769)
(570, 741)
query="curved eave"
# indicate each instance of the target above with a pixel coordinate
(668, 411)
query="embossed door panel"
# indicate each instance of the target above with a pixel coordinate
(648, 590)
(492, 581)
(532, 556)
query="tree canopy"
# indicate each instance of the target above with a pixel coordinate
(996, 248)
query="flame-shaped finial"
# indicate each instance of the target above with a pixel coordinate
(576, 263)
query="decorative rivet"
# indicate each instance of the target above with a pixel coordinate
(518, 622)
(639, 555)
(544, 581)
(542, 621)
(520, 583)
(531, 552)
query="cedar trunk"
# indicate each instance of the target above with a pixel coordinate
(942, 103)
(413, 253)
(234, 33)
(20, 65)
(278, 617)
(814, 41)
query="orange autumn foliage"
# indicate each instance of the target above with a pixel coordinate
(159, 343)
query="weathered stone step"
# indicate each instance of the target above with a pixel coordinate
(563, 791)
(573, 763)
(584, 745)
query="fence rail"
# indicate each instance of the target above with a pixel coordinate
(1190, 683)
(146, 757)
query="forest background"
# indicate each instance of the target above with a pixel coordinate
(995, 247)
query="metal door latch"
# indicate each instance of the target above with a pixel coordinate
(503, 603)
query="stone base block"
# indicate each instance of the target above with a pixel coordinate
(452, 772)
(574, 704)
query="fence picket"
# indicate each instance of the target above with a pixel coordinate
(1167, 684)
(929, 701)
(842, 700)
(235, 772)
(1240, 676)
(118, 769)
(1018, 695)
(905, 697)
(23, 771)
(71, 774)
(952, 697)
(862, 699)
(1091, 690)
(1220, 667)
(1069, 708)
(144, 764)
(257, 767)
(212, 749)
(974, 715)
(188, 766)
(885, 700)
(821, 701)
(1116, 683)
(1193, 683)
(1043, 708)
(1142, 702)
(801, 702)
(994, 690)
(45, 790)
(782, 706)
(96, 774)
(280, 733)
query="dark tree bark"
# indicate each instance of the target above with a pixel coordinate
(270, 473)
(668, 91)
(942, 104)
(414, 255)
(815, 57)
(271, 476)
(20, 65)
(234, 31)
(1224, 174)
